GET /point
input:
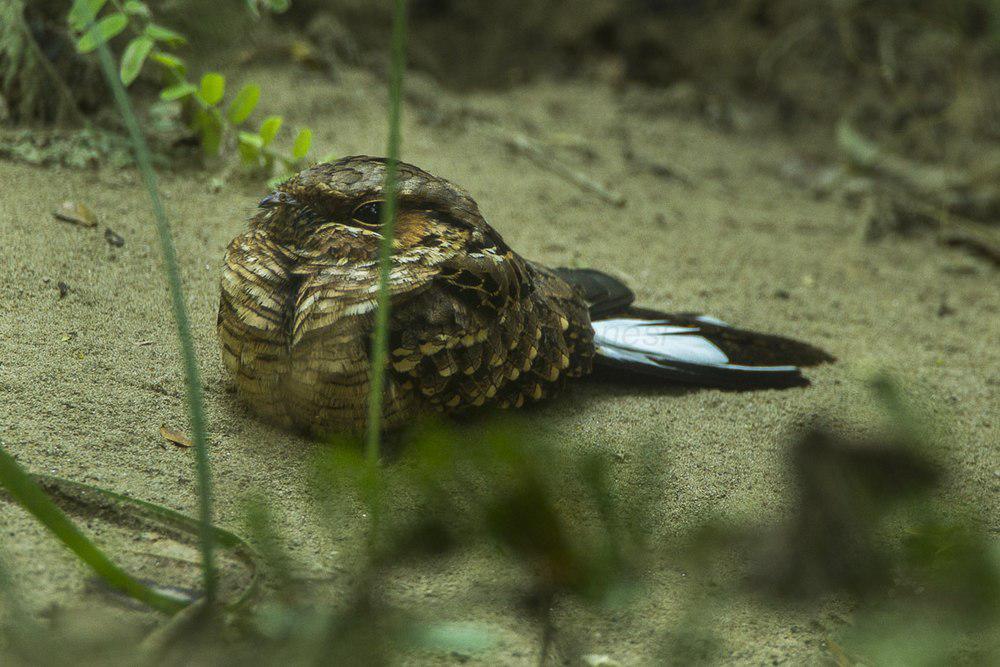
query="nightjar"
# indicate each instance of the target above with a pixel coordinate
(472, 323)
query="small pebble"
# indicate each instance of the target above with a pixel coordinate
(114, 239)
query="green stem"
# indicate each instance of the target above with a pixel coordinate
(194, 389)
(381, 333)
(380, 342)
(32, 498)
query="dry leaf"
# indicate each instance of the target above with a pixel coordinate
(176, 437)
(76, 213)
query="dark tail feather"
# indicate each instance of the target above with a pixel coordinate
(686, 347)
(741, 346)
(604, 295)
(700, 350)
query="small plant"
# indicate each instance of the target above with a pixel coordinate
(216, 124)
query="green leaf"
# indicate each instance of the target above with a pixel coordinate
(251, 139)
(213, 87)
(244, 103)
(177, 92)
(249, 147)
(134, 57)
(102, 31)
(161, 34)
(136, 8)
(170, 61)
(211, 133)
(269, 128)
(83, 12)
(302, 143)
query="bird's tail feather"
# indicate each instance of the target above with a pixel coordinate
(686, 347)
(605, 296)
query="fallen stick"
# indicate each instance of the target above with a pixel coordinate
(529, 148)
(520, 143)
(949, 195)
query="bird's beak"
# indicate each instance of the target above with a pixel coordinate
(277, 199)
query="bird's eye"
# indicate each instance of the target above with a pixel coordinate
(368, 214)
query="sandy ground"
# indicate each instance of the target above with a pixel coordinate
(87, 380)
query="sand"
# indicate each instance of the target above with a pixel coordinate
(86, 380)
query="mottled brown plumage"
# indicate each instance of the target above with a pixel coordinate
(472, 322)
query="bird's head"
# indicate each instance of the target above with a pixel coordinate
(336, 210)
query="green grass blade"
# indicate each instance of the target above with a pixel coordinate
(196, 409)
(126, 510)
(380, 338)
(32, 498)
(381, 335)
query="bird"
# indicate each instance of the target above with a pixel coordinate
(472, 324)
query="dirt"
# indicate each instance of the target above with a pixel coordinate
(91, 373)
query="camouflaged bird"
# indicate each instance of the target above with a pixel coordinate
(472, 323)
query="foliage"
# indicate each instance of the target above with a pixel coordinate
(29, 83)
(864, 525)
(868, 526)
(455, 488)
(217, 124)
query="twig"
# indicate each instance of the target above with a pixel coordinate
(490, 125)
(925, 179)
(783, 44)
(526, 146)
(973, 241)
(948, 191)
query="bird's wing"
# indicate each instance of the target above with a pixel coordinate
(459, 320)
(252, 322)
(458, 340)
(337, 298)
